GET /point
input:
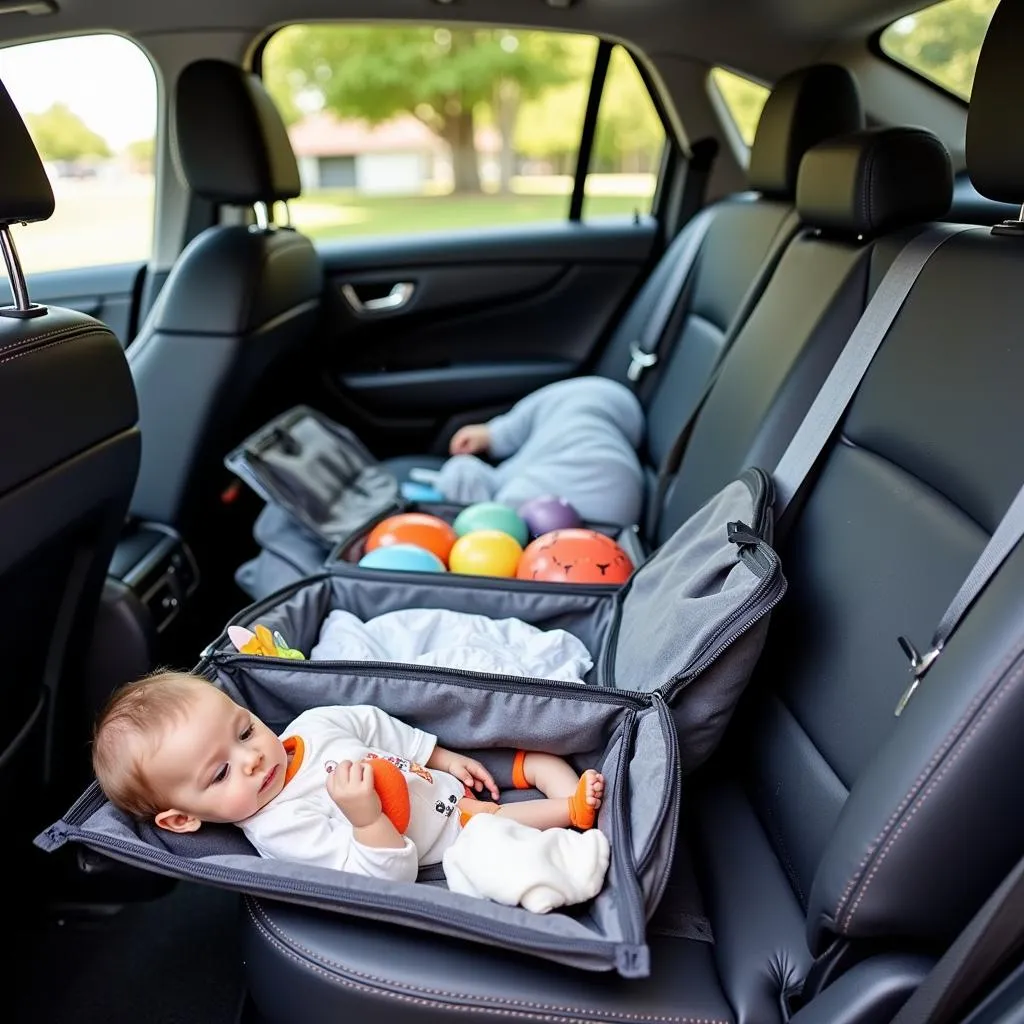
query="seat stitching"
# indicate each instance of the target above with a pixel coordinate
(66, 329)
(38, 348)
(265, 925)
(918, 783)
(961, 747)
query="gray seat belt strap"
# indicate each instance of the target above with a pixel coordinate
(1006, 537)
(643, 352)
(837, 392)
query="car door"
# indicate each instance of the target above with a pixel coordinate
(462, 276)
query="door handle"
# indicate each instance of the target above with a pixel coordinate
(399, 296)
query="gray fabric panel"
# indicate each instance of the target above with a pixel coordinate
(264, 574)
(587, 616)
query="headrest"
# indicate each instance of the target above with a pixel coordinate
(875, 180)
(25, 194)
(233, 145)
(995, 155)
(804, 108)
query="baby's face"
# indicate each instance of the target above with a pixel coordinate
(220, 763)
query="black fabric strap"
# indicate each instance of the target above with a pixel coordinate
(994, 935)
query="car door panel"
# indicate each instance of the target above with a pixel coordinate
(469, 321)
(106, 292)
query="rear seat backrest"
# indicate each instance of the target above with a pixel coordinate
(897, 829)
(854, 195)
(804, 108)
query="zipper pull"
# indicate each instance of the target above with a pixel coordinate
(742, 535)
(919, 665)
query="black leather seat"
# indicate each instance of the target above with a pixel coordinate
(837, 848)
(238, 300)
(68, 412)
(738, 253)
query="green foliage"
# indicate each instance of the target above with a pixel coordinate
(744, 98)
(60, 134)
(942, 42)
(141, 153)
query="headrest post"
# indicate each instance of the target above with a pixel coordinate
(287, 213)
(22, 309)
(262, 212)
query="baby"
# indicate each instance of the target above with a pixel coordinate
(576, 438)
(175, 749)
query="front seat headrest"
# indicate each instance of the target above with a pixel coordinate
(874, 181)
(26, 194)
(995, 155)
(805, 107)
(232, 143)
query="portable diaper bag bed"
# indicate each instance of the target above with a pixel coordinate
(673, 649)
(324, 493)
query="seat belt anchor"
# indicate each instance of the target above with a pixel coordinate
(919, 665)
(639, 360)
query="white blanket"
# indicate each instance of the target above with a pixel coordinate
(436, 636)
(502, 860)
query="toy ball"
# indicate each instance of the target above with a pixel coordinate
(491, 515)
(548, 513)
(403, 557)
(485, 553)
(424, 531)
(575, 556)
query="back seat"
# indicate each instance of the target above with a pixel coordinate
(838, 849)
(745, 236)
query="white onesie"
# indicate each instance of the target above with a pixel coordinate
(304, 824)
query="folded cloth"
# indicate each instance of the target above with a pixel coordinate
(437, 636)
(499, 859)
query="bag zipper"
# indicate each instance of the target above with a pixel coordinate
(669, 808)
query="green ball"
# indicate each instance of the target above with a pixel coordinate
(490, 515)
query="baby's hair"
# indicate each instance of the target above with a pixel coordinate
(128, 727)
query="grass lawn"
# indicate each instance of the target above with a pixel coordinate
(340, 215)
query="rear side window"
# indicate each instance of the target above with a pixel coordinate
(95, 134)
(942, 42)
(743, 98)
(413, 128)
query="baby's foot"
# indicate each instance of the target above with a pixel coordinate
(584, 803)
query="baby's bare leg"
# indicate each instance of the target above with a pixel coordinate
(577, 808)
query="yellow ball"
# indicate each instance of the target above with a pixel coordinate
(485, 553)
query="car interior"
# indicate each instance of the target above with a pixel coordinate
(301, 226)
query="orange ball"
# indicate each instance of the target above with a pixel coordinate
(428, 532)
(575, 556)
(393, 790)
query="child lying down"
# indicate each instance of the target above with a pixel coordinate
(575, 438)
(350, 788)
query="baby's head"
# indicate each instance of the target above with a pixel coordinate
(175, 749)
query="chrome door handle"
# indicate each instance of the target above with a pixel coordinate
(398, 297)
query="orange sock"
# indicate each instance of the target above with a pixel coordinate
(519, 779)
(581, 814)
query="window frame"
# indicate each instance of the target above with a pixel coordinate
(588, 131)
(876, 49)
(730, 126)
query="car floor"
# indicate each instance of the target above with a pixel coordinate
(170, 960)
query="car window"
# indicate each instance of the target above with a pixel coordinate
(628, 143)
(405, 129)
(95, 133)
(941, 42)
(743, 99)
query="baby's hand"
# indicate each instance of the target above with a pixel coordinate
(351, 788)
(469, 772)
(470, 440)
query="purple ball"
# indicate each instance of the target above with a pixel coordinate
(547, 513)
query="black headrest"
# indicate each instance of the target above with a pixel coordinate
(995, 156)
(875, 180)
(25, 192)
(805, 107)
(233, 145)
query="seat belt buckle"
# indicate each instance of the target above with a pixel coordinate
(919, 665)
(639, 360)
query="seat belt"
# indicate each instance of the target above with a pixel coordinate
(644, 352)
(786, 232)
(849, 369)
(982, 949)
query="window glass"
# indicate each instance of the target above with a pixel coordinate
(95, 133)
(403, 129)
(628, 144)
(743, 98)
(942, 42)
